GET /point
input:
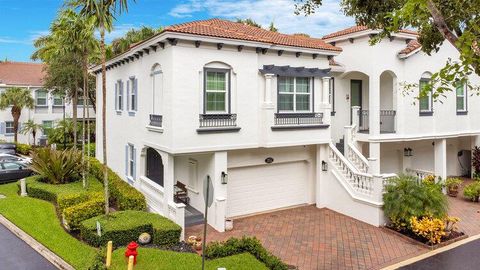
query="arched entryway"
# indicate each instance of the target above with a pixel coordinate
(154, 166)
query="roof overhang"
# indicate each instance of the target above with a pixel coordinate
(407, 55)
(367, 33)
(294, 71)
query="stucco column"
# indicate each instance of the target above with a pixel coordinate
(374, 159)
(168, 180)
(325, 105)
(374, 105)
(217, 212)
(355, 117)
(321, 176)
(440, 150)
(267, 101)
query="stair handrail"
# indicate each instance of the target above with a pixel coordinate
(358, 157)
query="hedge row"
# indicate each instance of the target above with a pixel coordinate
(77, 210)
(125, 196)
(251, 245)
(122, 227)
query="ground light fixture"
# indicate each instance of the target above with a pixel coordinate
(324, 166)
(224, 178)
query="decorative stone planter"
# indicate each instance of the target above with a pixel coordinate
(228, 225)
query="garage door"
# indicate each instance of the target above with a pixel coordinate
(266, 187)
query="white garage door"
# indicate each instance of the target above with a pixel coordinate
(266, 187)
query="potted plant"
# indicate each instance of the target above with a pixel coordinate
(472, 191)
(453, 184)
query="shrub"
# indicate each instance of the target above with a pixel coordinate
(429, 228)
(73, 215)
(57, 167)
(476, 160)
(90, 147)
(405, 198)
(472, 191)
(125, 196)
(23, 149)
(251, 245)
(453, 182)
(429, 179)
(68, 200)
(122, 227)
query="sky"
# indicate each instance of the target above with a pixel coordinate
(22, 21)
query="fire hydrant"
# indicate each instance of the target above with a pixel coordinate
(132, 251)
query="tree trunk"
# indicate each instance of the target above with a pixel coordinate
(441, 24)
(16, 112)
(34, 134)
(74, 117)
(85, 88)
(104, 119)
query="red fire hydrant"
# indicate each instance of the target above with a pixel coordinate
(132, 251)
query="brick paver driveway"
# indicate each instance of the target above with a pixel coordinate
(467, 211)
(313, 238)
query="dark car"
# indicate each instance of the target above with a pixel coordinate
(13, 171)
(8, 148)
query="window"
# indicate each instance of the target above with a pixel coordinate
(47, 124)
(41, 98)
(461, 91)
(294, 94)
(425, 101)
(132, 92)
(9, 127)
(130, 161)
(80, 101)
(217, 82)
(57, 100)
(118, 95)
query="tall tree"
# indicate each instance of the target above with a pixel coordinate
(122, 44)
(103, 12)
(454, 21)
(31, 127)
(18, 99)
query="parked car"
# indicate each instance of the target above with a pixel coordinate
(8, 148)
(9, 157)
(12, 171)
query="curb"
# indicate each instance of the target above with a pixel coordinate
(41, 249)
(432, 253)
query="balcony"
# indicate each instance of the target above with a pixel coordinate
(387, 121)
(217, 123)
(156, 123)
(298, 120)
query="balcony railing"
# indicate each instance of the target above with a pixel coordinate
(218, 120)
(292, 119)
(156, 120)
(387, 121)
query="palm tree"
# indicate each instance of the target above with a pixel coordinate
(31, 127)
(18, 98)
(103, 11)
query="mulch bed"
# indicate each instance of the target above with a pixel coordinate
(412, 237)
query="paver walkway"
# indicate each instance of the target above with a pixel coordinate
(467, 211)
(313, 238)
(17, 255)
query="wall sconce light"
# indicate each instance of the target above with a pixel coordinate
(224, 178)
(408, 152)
(348, 97)
(324, 166)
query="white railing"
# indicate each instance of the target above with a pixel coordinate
(354, 155)
(361, 183)
(419, 174)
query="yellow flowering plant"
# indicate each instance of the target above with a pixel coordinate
(429, 179)
(429, 228)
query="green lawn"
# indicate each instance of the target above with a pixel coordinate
(39, 220)
(149, 259)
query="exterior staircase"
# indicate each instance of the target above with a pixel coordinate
(341, 146)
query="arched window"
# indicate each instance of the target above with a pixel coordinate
(157, 89)
(217, 88)
(154, 168)
(425, 100)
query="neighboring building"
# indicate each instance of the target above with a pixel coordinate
(258, 113)
(48, 107)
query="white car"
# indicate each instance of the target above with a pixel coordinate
(9, 157)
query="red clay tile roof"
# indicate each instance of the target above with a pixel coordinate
(360, 28)
(411, 46)
(18, 73)
(228, 29)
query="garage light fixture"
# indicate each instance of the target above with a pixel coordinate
(408, 152)
(324, 166)
(224, 178)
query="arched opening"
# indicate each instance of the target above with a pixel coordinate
(388, 101)
(154, 166)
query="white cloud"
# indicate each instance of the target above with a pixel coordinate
(9, 40)
(328, 18)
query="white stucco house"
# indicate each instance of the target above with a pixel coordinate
(275, 120)
(48, 109)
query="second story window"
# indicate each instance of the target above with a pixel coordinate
(461, 92)
(119, 95)
(47, 124)
(9, 128)
(41, 98)
(57, 100)
(425, 102)
(217, 82)
(132, 94)
(294, 94)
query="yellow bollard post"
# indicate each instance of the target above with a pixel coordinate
(130, 263)
(109, 254)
